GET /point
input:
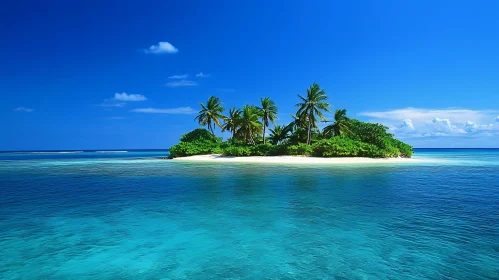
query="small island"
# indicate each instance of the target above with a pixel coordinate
(342, 137)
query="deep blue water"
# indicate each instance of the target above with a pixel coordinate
(130, 216)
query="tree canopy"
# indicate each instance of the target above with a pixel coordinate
(211, 113)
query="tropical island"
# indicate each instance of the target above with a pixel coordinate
(343, 137)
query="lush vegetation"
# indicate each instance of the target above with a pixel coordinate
(343, 137)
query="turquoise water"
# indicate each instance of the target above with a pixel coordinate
(128, 215)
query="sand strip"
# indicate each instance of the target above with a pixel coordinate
(297, 159)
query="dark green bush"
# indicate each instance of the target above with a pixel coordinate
(370, 150)
(337, 147)
(299, 150)
(200, 134)
(405, 149)
(263, 150)
(237, 151)
(200, 147)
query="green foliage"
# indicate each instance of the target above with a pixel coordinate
(198, 147)
(279, 134)
(404, 148)
(268, 111)
(377, 135)
(267, 150)
(337, 147)
(231, 122)
(211, 113)
(372, 133)
(197, 142)
(342, 146)
(237, 151)
(298, 135)
(340, 125)
(200, 134)
(249, 124)
(299, 150)
(311, 108)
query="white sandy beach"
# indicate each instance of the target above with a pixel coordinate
(296, 159)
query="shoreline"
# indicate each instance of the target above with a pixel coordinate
(294, 159)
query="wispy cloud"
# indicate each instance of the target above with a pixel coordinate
(120, 99)
(179, 110)
(110, 103)
(201, 75)
(184, 76)
(181, 83)
(497, 119)
(23, 109)
(129, 97)
(161, 47)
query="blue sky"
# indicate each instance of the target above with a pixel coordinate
(130, 74)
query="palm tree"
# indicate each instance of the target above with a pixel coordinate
(312, 106)
(249, 123)
(340, 125)
(232, 121)
(211, 113)
(279, 134)
(269, 112)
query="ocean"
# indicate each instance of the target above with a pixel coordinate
(129, 215)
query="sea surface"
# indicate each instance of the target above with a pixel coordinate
(129, 215)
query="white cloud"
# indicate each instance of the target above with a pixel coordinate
(120, 99)
(407, 125)
(472, 127)
(178, 76)
(201, 75)
(443, 127)
(161, 47)
(179, 110)
(417, 122)
(418, 115)
(497, 119)
(23, 109)
(129, 97)
(182, 83)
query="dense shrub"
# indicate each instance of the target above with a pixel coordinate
(337, 147)
(263, 150)
(200, 147)
(237, 151)
(370, 150)
(197, 142)
(405, 149)
(371, 133)
(299, 150)
(342, 146)
(200, 134)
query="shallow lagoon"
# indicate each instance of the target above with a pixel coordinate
(112, 216)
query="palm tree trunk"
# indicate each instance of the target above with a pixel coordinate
(308, 132)
(211, 128)
(264, 134)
